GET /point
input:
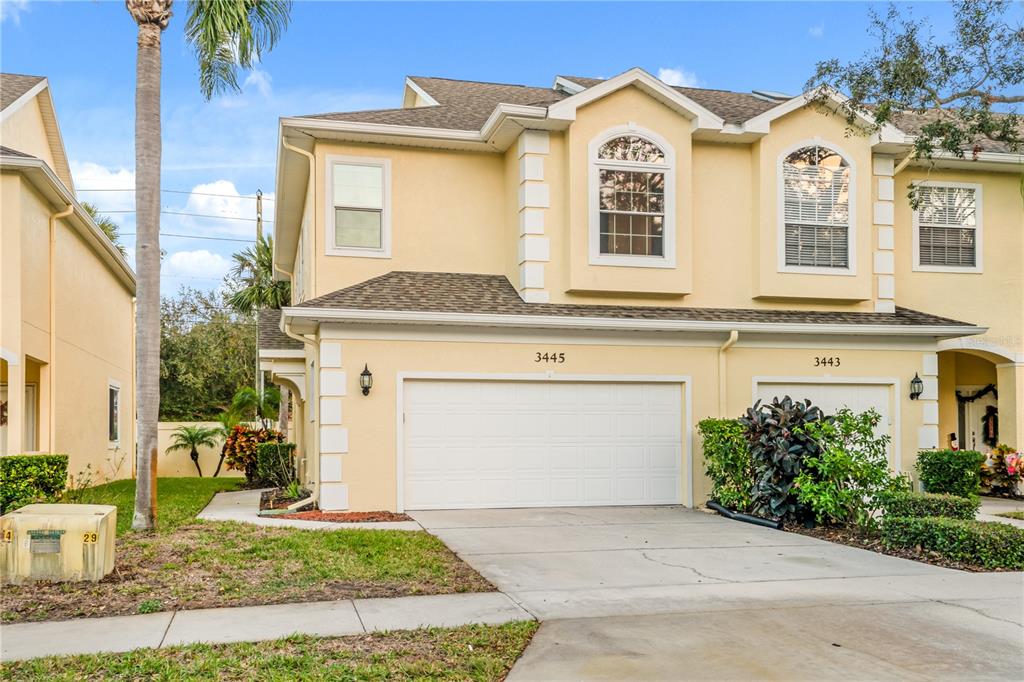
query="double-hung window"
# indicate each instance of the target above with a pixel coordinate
(113, 413)
(632, 186)
(358, 209)
(947, 228)
(816, 188)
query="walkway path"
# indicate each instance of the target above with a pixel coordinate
(255, 623)
(990, 506)
(244, 506)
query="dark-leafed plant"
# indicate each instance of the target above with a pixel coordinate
(845, 482)
(779, 440)
(240, 449)
(727, 462)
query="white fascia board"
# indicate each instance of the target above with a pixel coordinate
(565, 322)
(316, 124)
(986, 161)
(761, 124)
(277, 354)
(43, 177)
(704, 119)
(411, 84)
(504, 112)
(566, 85)
(21, 101)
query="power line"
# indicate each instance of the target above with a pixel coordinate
(178, 191)
(195, 215)
(194, 236)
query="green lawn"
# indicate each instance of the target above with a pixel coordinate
(1013, 515)
(476, 652)
(192, 564)
(178, 499)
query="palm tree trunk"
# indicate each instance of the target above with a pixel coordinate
(152, 17)
(195, 460)
(220, 461)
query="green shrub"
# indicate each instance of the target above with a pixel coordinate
(240, 448)
(843, 483)
(778, 443)
(275, 464)
(988, 544)
(955, 472)
(922, 505)
(25, 479)
(727, 462)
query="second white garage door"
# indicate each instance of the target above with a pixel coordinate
(471, 444)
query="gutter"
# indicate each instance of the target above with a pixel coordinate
(618, 323)
(52, 360)
(729, 343)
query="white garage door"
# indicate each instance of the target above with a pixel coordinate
(475, 444)
(832, 397)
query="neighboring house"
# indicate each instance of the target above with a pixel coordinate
(66, 338)
(551, 286)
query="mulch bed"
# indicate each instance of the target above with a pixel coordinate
(873, 542)
(274, 499)
(348, 517)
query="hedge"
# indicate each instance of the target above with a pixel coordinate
(25, 479)
(988, 544)
(727, 462)
(955, 472)
(923, 505)
(275, 463)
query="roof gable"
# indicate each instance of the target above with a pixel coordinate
(18, 92)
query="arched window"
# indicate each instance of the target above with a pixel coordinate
(816, 194)
(633, 179)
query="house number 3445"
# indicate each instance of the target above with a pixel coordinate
(826, 361)
(557, 358)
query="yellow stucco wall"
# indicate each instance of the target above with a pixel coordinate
(24, 131)
(94, 333)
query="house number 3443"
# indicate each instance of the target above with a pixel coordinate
(557, 358)
(826, 361)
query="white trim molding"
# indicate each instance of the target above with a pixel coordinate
(780, 226)
(685, 380)
(883, 214)
(668, 257)
(330, 248)
(978, 266)
(532, 147)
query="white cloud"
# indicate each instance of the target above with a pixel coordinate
(200, 263)
(678, 77)
(259, 80)
(89, 175)
(12, 9)
(817, 31)
(235, 213)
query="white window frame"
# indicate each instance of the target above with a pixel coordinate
(114, 384)
(851, 231)
(385, 218)
(668, 259)
(978, 266)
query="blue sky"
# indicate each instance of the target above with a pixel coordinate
(343, 56)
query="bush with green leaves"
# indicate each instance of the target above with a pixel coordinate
(240, 448)
(275, 464)
(843, 482)
(923, 505)
(988, 544)
(777, 435)
(25, 479)
(727, 462)
(954, 472)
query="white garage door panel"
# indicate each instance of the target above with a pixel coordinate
(832, 397)
(519, 444)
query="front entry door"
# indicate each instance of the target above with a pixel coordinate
(971, 415)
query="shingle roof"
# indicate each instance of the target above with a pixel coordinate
(14, 85)
(269, 335)
(911, 123)
(448, 292)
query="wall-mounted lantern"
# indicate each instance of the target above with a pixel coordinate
(916, 387)
(366, 380)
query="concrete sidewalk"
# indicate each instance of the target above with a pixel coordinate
(990, 506)
(255, 623)
(243, 506)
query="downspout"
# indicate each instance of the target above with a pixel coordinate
(734, 336)
(314, 494)
(51, 373)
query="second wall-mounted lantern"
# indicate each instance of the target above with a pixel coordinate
(916, 387)
(366, 379)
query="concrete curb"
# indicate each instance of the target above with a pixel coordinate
(255, 623)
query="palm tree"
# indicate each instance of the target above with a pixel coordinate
(106, 225)
(263, 406)
(192, 438)
(254, 276)
(228, 419)
(225, 35)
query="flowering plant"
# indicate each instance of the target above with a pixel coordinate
(1003, 471)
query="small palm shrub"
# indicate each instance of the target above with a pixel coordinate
(778, 438)
(955, 472)
(845, 481)
(727, 462)
(192, 438)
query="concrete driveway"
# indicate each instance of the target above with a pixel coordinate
(671, 593)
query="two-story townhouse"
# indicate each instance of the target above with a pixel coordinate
(513, 296)
(66, 301)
